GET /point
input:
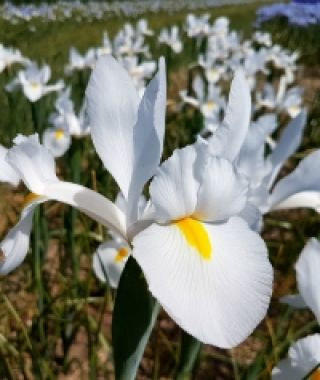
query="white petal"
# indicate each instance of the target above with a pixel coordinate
(304, 179)
(108, 262)
(16, 244)
(229, 137)
(7, 172)
(33, 162)
(148, 136)
(307, 269)
(36, 166)
(222, 193)
(88, 201)
(112, 109)
(252, 215)
(286, 370)
(219, 300)
(56, 141)
(294, 300)
(174, 188)
(305, 354)
(33, 91)
(288, 143)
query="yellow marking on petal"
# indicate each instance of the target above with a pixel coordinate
(211, 105)
(59, 134)
(29, 198)
(196, 235)
(122, 253)
(35, 85)
(294, 110)
(315, 375)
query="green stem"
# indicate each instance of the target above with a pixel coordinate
(37, 267)
(75, 163)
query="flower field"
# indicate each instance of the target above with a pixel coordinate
(160, 190)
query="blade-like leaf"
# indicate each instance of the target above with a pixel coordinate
(134, 315)
(190, 349)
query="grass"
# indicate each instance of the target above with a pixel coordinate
(68, 336)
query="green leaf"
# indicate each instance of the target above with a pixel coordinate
(134, 315)
(190, 349)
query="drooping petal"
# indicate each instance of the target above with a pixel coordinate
(33, 162)
(307, 269)
(89, 202)
(302, 185)
(148, 137)
(174, 188)
(109, 261)
(229, 137)
(214, 280)
(288, 143)
(36, 166)
(7, 172)
(14, 247)
(222, 193)
(112, 104)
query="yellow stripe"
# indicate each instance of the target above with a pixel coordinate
(196, 235)
(315, 375)
(59, 134)
(122, 253)
(29, 198)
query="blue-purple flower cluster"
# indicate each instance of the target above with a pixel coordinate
(298, 12)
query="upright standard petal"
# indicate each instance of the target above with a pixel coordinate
(174, 188)
(229, 137)
(288, 143)
(301, 188)
(112, 104)
(7, 172)
(214, 280)
(148, 136)
(307, 269)
(222, 193)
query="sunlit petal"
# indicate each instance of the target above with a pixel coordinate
(218, 296)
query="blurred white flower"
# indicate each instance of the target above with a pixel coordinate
(10, 56)
(78, 62)
(170, 37)
(33, 81)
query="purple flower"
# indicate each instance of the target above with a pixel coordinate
(298, 12)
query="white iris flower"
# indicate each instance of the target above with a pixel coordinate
(203, 263)
(33, 81)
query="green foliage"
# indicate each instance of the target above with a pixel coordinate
(134, 315)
